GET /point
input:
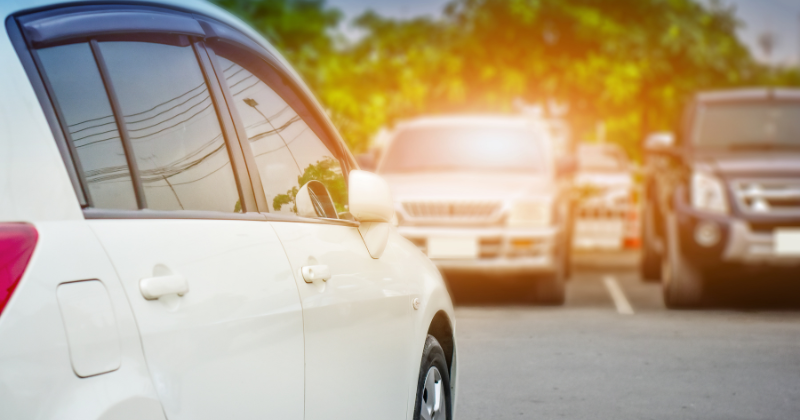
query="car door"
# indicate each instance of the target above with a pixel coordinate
(357, 322)
(211, 289)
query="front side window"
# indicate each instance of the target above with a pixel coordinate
(175, 134)
(80, 95)
(287, 151)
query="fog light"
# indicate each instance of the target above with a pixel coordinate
(707, 234)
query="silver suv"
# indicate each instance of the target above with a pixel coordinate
(483, 194)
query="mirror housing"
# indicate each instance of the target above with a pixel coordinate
(371, 204)
(370, 199)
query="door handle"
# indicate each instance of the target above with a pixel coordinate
(155, 287)
(316, 272)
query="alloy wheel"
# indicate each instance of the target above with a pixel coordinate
(433, 405)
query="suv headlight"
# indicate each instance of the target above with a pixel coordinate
(708, 193)
(530, 214)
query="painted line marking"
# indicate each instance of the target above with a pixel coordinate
(618, 296)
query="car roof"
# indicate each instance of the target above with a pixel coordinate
(9, 7)
(749, 94)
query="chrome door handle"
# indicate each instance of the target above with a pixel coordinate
(155, 287)
(315, 272)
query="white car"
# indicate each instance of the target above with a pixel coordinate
(483, 194)
(183, 234)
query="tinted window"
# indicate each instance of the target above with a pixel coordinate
(90, 125)
(173, 126)
(475, 148)
(287, 151)
(749, 124)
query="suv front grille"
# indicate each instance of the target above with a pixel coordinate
(767, 196)
(456, 211)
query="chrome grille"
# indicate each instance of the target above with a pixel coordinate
(462, 210)
(767, 196)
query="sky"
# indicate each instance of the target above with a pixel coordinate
(779, 17)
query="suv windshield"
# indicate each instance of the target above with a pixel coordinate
(500, 149)
(749, 124)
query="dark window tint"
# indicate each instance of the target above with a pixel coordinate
(287, 151)
(81, 96)
(173, 126)
(749, 124)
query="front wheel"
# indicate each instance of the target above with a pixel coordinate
(650, 264)
(433, 387)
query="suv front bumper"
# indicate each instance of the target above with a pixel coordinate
(739, 244)
(500, 250)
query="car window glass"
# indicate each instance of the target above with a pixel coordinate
(173, 126)
(288, 153)
(90, 125)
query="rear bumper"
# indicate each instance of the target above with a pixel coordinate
(500, 250)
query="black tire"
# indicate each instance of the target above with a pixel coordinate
(682, 282)
(551, 288)
(650, 264)
(568, 248)
(433, 363)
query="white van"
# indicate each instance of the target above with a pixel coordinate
(184, 235)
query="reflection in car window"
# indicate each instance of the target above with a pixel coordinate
(476, 148)
(173, 126)
(81, 96)
(286, 150)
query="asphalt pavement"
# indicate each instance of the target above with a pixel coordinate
(613, 351)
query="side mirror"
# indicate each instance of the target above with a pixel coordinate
(663, 142)
(371, 204)
(566, 166)
(313, 200)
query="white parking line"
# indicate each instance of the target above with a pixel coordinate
(618, 296)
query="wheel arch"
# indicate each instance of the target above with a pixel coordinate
(442, 329)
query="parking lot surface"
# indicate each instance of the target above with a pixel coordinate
(595, 358)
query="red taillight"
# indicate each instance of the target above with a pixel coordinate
(17, 241)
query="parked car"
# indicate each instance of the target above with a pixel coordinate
(606, 211)
(723, 198)
(184, 235)
(483, 194)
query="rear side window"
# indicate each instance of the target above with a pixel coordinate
(169, 119)
(90, 127)
(287, 151)
(176, 136)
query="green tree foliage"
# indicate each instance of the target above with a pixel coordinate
(630, 63)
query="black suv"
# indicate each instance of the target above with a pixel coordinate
(722, 198)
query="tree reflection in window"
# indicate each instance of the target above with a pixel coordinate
(288, 153)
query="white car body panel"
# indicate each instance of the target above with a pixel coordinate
(233, 345)
(236, 338)
(29, 159)
(37, 379)
(355, 323)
